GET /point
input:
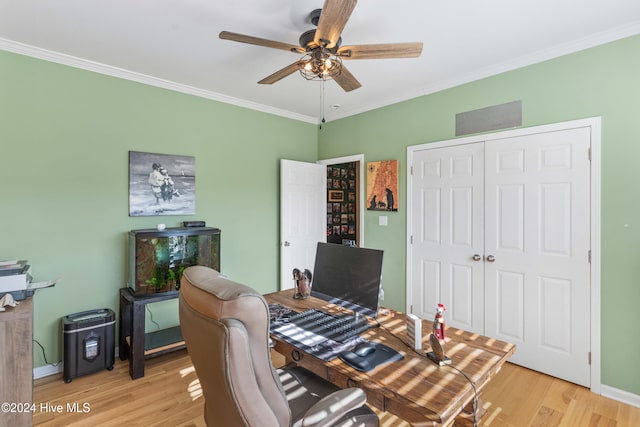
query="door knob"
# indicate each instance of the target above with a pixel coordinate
(491, 258)
(285, 243)
(476, 257)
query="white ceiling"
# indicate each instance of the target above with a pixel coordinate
(175, 44)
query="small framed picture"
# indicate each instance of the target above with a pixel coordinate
(382, 186)
(336, 196)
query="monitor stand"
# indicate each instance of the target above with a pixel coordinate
(357, 318)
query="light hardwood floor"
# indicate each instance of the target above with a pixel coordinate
(169, 395)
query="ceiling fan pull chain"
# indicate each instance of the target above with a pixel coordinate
(321, 102)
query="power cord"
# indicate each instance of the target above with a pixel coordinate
(151, 316)
(475, 391)
(45, 355)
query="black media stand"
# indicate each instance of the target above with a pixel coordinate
(134, 344)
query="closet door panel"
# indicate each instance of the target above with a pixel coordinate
(447, 224)
(537, 229)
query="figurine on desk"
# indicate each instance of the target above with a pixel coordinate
(302, 288)
(438, 323)
(437, 338)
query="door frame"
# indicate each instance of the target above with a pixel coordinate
(595, 126)
(360, 213)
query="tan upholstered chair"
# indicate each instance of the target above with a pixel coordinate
(226, 328)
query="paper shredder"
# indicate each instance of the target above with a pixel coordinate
(88, 342)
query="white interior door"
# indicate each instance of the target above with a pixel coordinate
(303, 189)
(537, 235)
(448, 242)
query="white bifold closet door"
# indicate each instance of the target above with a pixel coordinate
(501, 236)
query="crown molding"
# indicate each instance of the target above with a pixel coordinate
(97, 67)
(523, 61)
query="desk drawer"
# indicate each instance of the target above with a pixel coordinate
(300, 358)
(374, 397)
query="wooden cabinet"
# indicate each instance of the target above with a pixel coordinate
(16, 364)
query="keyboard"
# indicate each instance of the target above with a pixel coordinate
(292, 332)
(336, 328)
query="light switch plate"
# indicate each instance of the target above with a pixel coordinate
(382, 220)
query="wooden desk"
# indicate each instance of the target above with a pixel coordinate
(414, 389)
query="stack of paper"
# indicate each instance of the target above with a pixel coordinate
(8, 268)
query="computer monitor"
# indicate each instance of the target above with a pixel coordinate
(348, 276)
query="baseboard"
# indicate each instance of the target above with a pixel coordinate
(46, 370)
(620, 395)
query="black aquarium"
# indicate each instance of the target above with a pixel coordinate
(157, 259)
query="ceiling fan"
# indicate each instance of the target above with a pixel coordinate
(322, 47)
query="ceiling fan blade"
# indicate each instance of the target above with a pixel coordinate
(226, 35)
(280, 74)
(346, 80)
(334, 16)
(381, 51)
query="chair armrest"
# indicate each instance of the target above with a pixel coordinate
(333, 407)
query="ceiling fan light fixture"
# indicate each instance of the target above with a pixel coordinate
(322, 48)
(320, 64)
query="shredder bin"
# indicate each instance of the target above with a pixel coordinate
(88, 342)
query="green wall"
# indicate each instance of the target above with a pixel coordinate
(602, 81)
(65, 135)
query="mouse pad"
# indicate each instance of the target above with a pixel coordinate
(383, 354)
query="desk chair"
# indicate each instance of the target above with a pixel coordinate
(225, 326)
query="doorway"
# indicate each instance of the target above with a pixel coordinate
(303, 211)
(347, 182)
